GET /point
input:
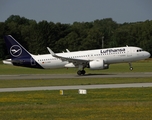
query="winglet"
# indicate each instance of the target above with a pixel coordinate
(67, 50)
(51, 52)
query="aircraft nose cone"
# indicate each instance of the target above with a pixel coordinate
(148, 54)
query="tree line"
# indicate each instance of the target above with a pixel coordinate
(36, 36)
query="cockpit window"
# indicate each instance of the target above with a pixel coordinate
(139, 50)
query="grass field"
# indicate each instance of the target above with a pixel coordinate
(98, 104)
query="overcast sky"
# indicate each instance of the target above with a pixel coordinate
(69, 11)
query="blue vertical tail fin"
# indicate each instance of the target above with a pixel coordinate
(15, 49)
(19, 55)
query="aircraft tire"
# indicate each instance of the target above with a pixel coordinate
(131, 68)
(83, 72)
(79, 72)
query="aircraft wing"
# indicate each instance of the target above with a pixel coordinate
(75, 61)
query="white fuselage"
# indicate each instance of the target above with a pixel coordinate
(109, 55)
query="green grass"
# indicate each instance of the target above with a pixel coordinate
(100, 104)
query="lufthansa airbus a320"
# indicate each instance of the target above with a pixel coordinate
(93, 59)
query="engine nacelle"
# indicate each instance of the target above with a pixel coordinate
(98, 65)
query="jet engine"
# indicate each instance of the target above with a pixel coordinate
(98, 65)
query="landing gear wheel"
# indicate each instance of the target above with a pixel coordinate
(81, 72)
(131, 68)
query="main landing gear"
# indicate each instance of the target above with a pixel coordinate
(81, 72)
(131, 68)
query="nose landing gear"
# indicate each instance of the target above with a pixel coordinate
(131, 68)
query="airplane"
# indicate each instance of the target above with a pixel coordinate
(94, 59)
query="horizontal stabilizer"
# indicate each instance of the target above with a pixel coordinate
(8, 61)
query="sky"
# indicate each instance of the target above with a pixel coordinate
(70, 11)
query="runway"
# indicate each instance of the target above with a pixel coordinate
(60, 76)
(131, 85)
